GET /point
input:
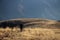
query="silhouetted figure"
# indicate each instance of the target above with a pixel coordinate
(21, 27)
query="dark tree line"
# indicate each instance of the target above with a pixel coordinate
(12, 24)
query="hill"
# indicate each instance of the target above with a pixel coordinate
(34, 29)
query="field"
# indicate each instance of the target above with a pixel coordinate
(30, 34)
(37, 30)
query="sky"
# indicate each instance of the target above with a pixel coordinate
(11, 9)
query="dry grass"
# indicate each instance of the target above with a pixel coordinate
(27, 34)
(46, 30)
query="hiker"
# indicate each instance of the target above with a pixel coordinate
(21, 26)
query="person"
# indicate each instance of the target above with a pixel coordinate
(21, 27)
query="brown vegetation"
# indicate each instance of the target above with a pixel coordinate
(35, 29)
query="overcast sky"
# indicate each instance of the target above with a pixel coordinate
(49, 9)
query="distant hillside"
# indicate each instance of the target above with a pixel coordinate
(36, 22)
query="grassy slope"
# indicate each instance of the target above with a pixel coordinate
(45, 31)
(29, 34)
